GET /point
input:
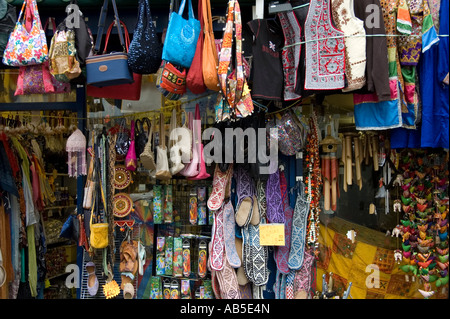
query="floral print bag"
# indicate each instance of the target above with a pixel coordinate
(26, 48)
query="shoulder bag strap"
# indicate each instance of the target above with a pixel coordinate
(108, 33)
(101, 25)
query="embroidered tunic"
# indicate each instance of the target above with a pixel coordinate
(325, 49)
(291, 53)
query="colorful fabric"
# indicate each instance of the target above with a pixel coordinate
(325, 49)
(429, 35)
(26, 47)
(404, 24)
(354, 263)
(355, 43)
(291, 54)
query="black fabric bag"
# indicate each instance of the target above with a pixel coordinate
(8, 18)
(145, 52)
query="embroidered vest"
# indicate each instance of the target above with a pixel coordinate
(325, 49)
(355, 43)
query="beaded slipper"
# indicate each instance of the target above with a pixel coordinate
(299, 222)
(220, 186)
(245, 191)
(282, 252)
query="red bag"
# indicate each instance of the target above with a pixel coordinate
(130, 91)
(37, 79)
(194, 80)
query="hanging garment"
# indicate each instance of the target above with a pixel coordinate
(291, 53)
(355, 43)
(433, 69)
(325, 49)
(301, 8)
(267, 66)
(377, 65)
(370, 112)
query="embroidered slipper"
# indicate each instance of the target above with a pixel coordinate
(298, 236)
(218, 244)
(245, 191)
(228, 283)
(229, 236)
(282, 252)
(258, 257)
(290, 285)
(303, 277)
(240, 272)
(261, 195)
(247, 261)
(214, 281)
(220, 185)
(256, 218)
(275, 213)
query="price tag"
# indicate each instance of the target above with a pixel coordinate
(271, 235)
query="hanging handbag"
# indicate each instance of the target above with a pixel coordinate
(144, 54)
(140, 136)
(289, 136)
(123, 140)
(147, 157)
(162, 162)
(194, 80)
(210, 59)
(98, 232)
(130, 159)
(37, 79)
(181, 37)
(62, 56)
(171, 81)
(131, 91)
(23, 47)
(108, 68)
(198, 145)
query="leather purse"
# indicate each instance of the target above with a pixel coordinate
(147, 157)
(130, 91)
(108, 69)
(210, 59)
(194, 80)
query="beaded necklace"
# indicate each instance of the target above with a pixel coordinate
(313, 183)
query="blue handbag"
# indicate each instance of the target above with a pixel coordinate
(181, 37)
(144, 54)
(108, 69)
